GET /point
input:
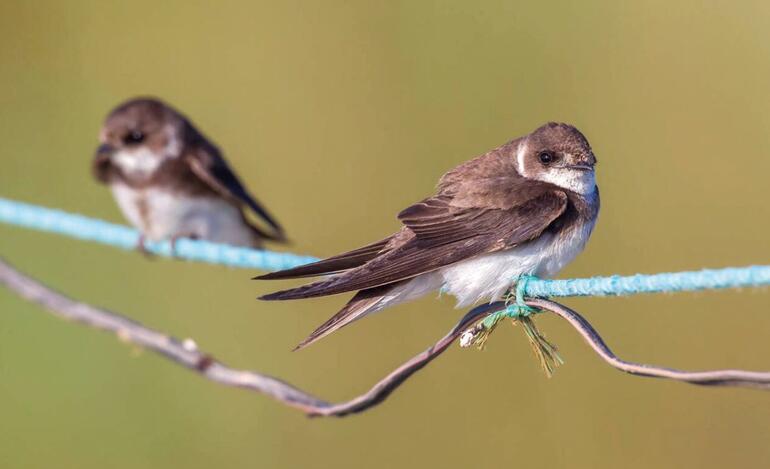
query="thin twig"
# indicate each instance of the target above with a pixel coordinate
(742, 378)
(382, 389)
(186, 354)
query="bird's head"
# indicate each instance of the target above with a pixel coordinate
(139, 135)
(559, 154)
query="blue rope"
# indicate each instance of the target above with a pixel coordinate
(616, 285)
(89, 229)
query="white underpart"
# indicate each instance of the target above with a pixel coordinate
(410, 290)
(168, 214)
(489, 276)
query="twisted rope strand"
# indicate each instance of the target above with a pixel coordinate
(89, 229)
(616, 285)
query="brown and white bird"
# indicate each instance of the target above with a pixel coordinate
(171, 182)
(525, 208)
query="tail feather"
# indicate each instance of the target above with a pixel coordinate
(310, 290)
(332, 265)
(363, 303)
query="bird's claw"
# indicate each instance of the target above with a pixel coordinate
(141, 246)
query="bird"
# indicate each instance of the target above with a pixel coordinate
(171, 182)
(527, 207)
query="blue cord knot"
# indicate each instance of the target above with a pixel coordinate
(516, 306)
(520, 308)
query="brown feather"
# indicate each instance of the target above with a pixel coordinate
(207, 164)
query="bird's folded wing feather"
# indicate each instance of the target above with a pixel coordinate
(207, 163)
(442, 234)
(332, 264)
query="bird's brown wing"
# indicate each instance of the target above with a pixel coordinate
(443, 234)
(207, 163)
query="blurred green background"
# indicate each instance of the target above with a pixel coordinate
(338, 115)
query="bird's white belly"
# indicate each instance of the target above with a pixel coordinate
(161, 214)
(489, 276)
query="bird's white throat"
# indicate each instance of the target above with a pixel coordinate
(138, 163)
(575, 180)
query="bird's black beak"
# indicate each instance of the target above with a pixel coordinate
(102, 162)
(582, 167)
(104, 151)
(584, 164)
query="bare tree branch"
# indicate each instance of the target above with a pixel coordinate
(186, 354)
(182, 352)
(742, 378)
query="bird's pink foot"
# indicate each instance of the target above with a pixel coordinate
(175, 238)
(142, 248)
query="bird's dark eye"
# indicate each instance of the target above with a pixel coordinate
(546, 157)
(133, 138)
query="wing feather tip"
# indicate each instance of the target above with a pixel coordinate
(268, 276)
(302, 344)
(306, 291)
(314, 337)
(280, 295)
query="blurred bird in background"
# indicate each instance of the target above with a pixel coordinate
(171, 182)
(525, 208)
